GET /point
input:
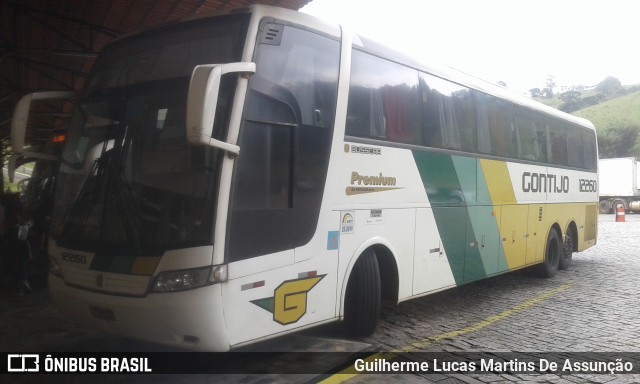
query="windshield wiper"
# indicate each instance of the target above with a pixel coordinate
(107, 190)
(124, 199)
(87, 198)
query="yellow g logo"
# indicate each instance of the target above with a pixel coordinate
(289, 301)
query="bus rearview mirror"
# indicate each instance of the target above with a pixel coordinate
(21, 115)
(202, 101)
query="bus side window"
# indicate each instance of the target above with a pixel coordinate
(496, 120)
(285, 142)
(575, 156)
(465, 110)
(431, 131)
(448, 115)
(557, 141)
(305, 64)
(590, 150)
(532, 143)
(383, 100)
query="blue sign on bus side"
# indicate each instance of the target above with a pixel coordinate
(333, 240)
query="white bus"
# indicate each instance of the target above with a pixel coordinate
(233, 178)
(28, 145)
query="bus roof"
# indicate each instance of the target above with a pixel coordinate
(378, 49)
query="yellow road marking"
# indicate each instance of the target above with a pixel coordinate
(341, 377)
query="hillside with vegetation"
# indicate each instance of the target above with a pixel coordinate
(614, 110)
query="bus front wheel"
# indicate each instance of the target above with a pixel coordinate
(362, 301)
(553, 251)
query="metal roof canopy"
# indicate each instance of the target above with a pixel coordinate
(52, 45)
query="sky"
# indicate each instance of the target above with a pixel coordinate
(519, 42)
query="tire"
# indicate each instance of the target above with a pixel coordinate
(553, 250)
(604, 207)
(362, 301)
(615, 204)
(566, 255)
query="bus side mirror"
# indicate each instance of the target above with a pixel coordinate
(21, 115)
(202, 101)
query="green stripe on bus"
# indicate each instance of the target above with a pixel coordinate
(466, 217)
(447, 196)
(474, 259)
(487, 223)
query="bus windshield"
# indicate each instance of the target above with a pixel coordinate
(129, 182)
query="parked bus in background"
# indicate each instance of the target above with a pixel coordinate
(236, 177)
(39, 146)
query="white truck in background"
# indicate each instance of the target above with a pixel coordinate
(619, 184)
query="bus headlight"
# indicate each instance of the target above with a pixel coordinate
(172, 281)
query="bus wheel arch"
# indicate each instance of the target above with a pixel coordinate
(373, 276)
(569, 246)
(619, 202)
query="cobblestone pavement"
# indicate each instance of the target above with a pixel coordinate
(593, 306)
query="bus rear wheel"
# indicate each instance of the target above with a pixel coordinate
(567, 252)
(362, 301)
(553, 251)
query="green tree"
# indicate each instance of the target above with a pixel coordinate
(609, 86)
(551, 84)
(619, 142)
(571, 101)
(593, 100)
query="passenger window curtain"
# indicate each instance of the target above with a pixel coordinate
(484, 135)
(448, 121)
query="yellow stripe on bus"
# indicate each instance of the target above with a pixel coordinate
(496, 175)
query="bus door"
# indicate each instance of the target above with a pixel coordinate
(276, 271)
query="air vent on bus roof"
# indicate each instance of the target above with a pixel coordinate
(272, 34)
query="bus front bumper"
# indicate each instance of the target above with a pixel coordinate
(191, 319)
